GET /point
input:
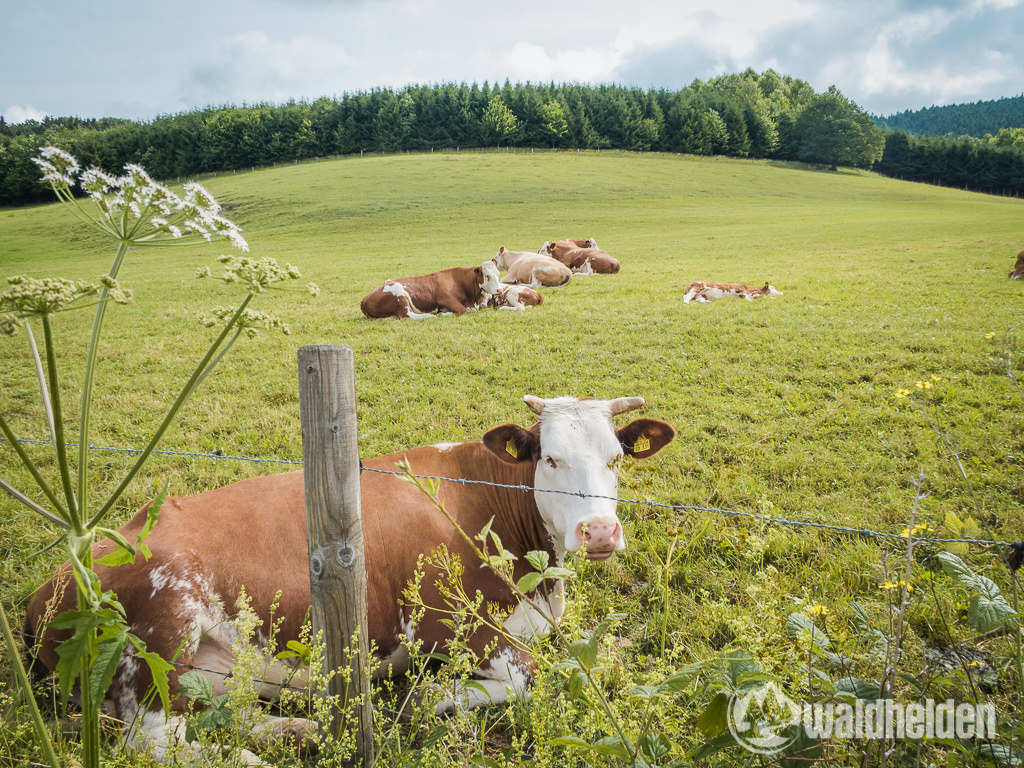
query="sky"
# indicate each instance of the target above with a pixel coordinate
(142, 59)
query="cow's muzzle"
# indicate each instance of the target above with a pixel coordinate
(601, 538)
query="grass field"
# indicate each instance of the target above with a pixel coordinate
(784, 406)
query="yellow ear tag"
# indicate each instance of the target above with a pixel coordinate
(510, 449)
(642, 444)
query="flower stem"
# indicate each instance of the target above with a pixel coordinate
(87, 383)
(74, 516)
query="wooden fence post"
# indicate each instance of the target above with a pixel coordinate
(337, 569)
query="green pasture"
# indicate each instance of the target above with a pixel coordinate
(783, 407)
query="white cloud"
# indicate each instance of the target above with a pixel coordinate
(15, 114)
(252, 66)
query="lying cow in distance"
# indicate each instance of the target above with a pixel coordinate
(1018, 268)
(581, 260)
(588, 243)
(516, 297)
(252, 535)
(533, 269)
(453, 290)
(702, 291)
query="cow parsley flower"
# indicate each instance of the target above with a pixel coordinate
(29, 296)
(134, 208)
(258, 274)
(250, 321)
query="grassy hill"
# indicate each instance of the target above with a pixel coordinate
(783, 406)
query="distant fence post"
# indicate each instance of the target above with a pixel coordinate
(337, 569)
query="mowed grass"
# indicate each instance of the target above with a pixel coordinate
(783, 406)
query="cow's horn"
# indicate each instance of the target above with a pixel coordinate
(534, 403)
(623, 404)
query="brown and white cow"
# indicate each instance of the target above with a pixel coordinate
(551, 486)
(453, 290)
(583, 260)
(1018, 267)
(533, 269)
(701, 290)
(516, 297)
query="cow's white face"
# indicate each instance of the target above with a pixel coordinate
(491, 277)
(773, 291)
(577, 455)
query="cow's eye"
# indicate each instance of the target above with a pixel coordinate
(551, 462)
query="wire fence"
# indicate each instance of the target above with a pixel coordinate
(1017, 548)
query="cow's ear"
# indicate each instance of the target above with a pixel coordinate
(645, 437)
(478, 271)
(512, 444)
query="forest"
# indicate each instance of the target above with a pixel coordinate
(976, 119)
(756, 115)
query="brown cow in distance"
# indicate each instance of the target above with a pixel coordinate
(1018, 268)
(581, 260)
(453, 290)
(702, 291)
(551, 487)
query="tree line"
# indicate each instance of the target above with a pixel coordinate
(757, 115)
(977, 120)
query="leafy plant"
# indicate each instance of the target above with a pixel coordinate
(134, 211)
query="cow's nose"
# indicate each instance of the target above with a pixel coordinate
(600, 536)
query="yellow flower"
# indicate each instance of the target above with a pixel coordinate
(818, 610)
(936, 378)
(990, 335)
(924, 385)
(902, 392)
(921, 528)
(891, 585)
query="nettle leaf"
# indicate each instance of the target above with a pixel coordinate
(111, 645)
(558, 573)
(740, 665)
(195, 685)
(857, 687)
(586, 651)
(529, 582)
(804, 630)
(538, 558)
(985, 614)
(715, 718)
(680, 680)
(576, 683)
(158, 668)
(955, 567)
(655, 745)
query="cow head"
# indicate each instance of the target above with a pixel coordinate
(488, 274)
(771, 290)
(576, 451)
(501, 258)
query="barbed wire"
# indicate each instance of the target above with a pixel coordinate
(1018, 547)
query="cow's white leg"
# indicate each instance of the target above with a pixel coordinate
(688, 296)
(534, 280)
(501, 678)
(163, 738)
